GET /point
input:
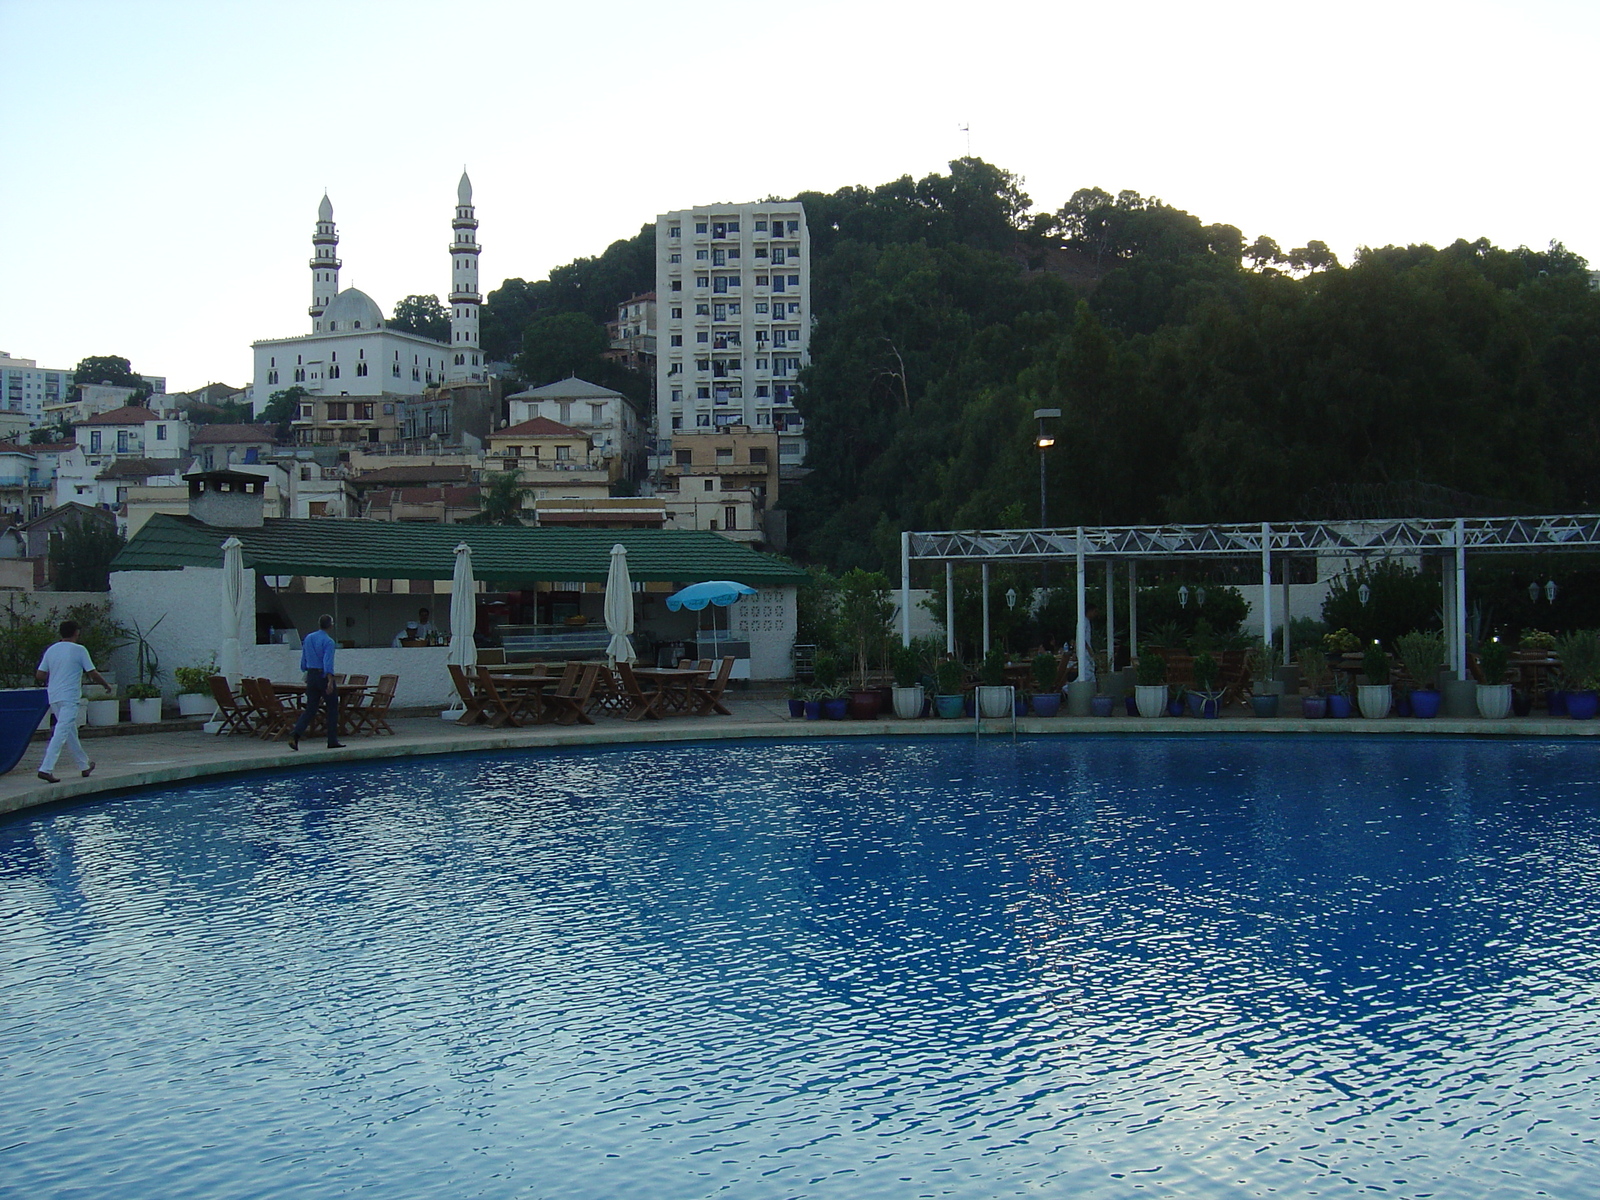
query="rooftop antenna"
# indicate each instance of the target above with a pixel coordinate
(966, 128)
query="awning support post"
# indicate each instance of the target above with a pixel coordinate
(986, 608)
(905, 587)
(950, 608)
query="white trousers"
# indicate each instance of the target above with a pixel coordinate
(66, 735)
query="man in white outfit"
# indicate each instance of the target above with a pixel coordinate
(64, 665)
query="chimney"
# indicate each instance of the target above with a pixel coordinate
(228, 499)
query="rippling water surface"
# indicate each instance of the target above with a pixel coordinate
(1064, 967)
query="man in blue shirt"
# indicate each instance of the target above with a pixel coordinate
(316, 660)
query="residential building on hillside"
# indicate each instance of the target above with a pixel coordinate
(87, 400)
(26, 387)
(553, 461)
(725, 480)
(218, 447)
(351, 360)
(633, 334)
(30, 541)
(602, 512)
(15, 426)
(26, 489)
(614, 426)
(733, 288)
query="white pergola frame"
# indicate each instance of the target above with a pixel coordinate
(1446, 537)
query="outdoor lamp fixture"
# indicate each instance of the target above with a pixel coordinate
(1200, 597)
(1533, 591)
(1364, 592)
(1183, 596)
(1044, 441)
(1011, 597)
(1550, 591)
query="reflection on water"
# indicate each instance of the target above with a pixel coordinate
(1068, 966)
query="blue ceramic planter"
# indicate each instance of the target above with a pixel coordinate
(1338, 706)
(1582, 706)
(1046, 704)
(1425, 703)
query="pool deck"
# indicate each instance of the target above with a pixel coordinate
(162, 756)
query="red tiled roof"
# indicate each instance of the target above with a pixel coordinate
(539, 427)
(128, 414)
(53, 447)
(414, 476)
(211, 435)
(13, 448)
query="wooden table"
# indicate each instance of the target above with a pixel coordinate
(672, 685)
(520, 694)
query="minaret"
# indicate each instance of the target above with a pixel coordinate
(324, 263)
(465, 356)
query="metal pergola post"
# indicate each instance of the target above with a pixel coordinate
(950, 608)
(1133, 609)
(986, 609)
(1080, 636)
(1460, 664)
(1111, 622)
(1266, 583)
(905, 587)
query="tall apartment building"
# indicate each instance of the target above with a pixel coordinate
(26, 387)
(733, 314)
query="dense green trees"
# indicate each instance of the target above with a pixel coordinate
(422, 315)
(115, 370)
(1200, 377)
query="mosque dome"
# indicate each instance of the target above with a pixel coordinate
(352, 309)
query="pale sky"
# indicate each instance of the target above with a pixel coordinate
(163, 161)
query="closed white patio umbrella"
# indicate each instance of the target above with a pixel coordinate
(463, 611)
(619, 607)
(230, 663)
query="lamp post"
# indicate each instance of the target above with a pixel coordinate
(1044, 441)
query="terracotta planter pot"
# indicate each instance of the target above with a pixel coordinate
(864, 705)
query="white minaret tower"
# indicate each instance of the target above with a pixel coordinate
(465, 357)
(324, 263)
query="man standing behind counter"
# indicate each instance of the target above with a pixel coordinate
(316, 660)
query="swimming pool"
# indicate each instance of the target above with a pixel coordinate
(1064, 966)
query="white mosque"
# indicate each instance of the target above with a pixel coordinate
(350, 351)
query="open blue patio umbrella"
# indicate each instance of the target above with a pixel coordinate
(721, 592)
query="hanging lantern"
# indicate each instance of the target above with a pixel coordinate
(1533, 592)
(1011, 597)
(1365, 593)
(1550, 591)
(1183, 596)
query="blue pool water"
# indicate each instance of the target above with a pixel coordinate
(1062, 967)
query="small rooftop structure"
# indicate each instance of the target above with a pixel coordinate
(228, 499)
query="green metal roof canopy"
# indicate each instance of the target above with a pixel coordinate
(363, 549)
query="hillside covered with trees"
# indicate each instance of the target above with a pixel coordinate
(1201, 375)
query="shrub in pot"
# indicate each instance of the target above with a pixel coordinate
(1206, 699)
(194, 689)
(907, 664)
(144, 703)
(949, 676)
(1579, 653)
(1046, 697)
(797, 701)
(1376, 695)
(1494, 693)
(1315, 678)
(1150, 683)
(994, 697)
(1263, 661)
(1422, 655)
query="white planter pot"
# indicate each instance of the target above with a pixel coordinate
(145, 712)
(995, 702)
(103, 712)
(1494, 701)
(1151, 699)
(1375, 700)
(196, 704)
(908, 702)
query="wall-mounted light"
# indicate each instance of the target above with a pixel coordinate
(1550, 591)
(1183, 596)
(1011, 597)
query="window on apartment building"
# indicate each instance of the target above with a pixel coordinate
(363, 411)
(794, 281)
(699, 226)
(299, 374)
(272, 377)
(758, 455)
(416, 374)
(719, 312)
(675, 231)
(563, 453)
(676, 340)
(709, 485)
(677, 312)
(122, 441)
(372, 435)
(701, 281)
(761, 251)
(794, 228)
(794, 307)
(761, 226)
(720, 284)
(677, 395)
(161, 433)
(761, 363)
(361, 368)
(702, 310)
(702, 255)
(729, 517)
(677, 422)
(702, 364)
(338, 410)
(702, 337)
(702, 420)
(566, 412)
(676, 285)
(778, 255)
(597, 413)
(703, 392)
(761, 391)
(676, 258)
(305, 412)
(94, 441)
(719, 258)
(761, 305)
(761, 281)
(724, 454)
(675, 368)
(684, 457)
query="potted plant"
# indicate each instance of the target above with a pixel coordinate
(1150, 683)
(102, 711)
(1494, 693)
(1046, 696)
(194, 689)
(796, 697)
(1376, 696)
(1314, 677)
(1422, 655)
(949, 675)
(1176, 694)
(994, 696)
(812, 705)
(907, 683)
(1265, 690)
(1205, 700)
(835, 702)
(1579, 653)
(144, 703)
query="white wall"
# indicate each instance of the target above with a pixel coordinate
(180, 613)
(424, 677)
(767, 621)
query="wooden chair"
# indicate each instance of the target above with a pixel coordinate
(641, 704)
(492, 656)
(500, 709)
(372, 717)
(472, 696)
(707, 697)
(277, 718)
(234, 716)
(568, 705)
(609, 695)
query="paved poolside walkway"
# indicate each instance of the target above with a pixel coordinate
(141, 760)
